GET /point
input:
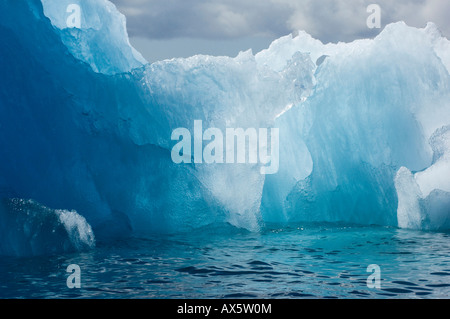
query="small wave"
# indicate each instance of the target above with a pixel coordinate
(29, 229)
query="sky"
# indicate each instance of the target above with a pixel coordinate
(164, 29)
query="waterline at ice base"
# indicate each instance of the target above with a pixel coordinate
(86, 126)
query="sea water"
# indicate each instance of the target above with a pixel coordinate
(294, 261)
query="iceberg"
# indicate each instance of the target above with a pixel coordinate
(86, 124)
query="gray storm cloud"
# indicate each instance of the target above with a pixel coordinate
(327, 20)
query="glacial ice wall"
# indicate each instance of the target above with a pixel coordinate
(85, 126)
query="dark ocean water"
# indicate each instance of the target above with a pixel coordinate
(300, 261)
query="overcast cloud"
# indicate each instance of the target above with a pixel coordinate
(327, 20)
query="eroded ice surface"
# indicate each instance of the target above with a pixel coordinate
(85, 125)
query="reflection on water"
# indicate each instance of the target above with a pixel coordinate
(301, 261)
